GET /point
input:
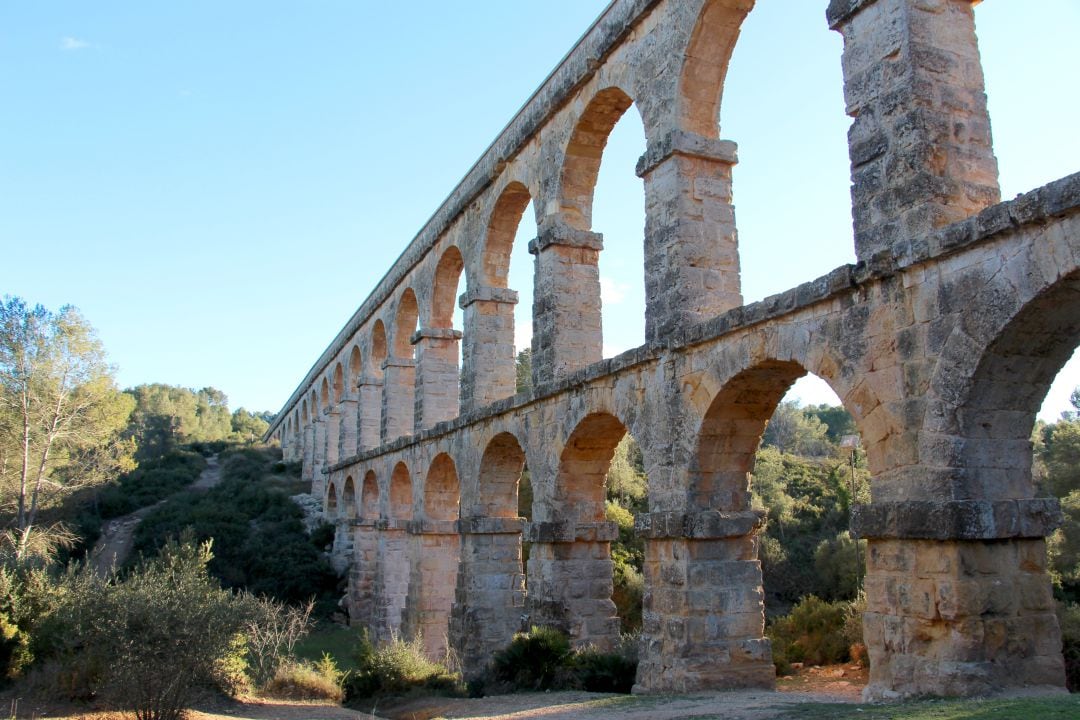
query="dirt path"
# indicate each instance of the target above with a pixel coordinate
(114, 545)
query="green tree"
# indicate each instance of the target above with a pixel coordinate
(838, 421)
(1061, 455)
(248, 427)
(60, 418)
(523, 369)
(791, 430)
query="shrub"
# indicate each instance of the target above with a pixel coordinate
(399, 667)
(271, 634)
(597, 671)
(1069, 616)
(816, 632)
(532, 660)
(307, 681)
(147, 642)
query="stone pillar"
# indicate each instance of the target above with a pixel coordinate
(570, 580)
(318, 463)
(333, 435)
(307, 471)
(920, 146)
(370, 412)
(347, 436)
(363, 576)
(399, 380)
(392, 578)
(489, 600)
(437, 377)
(436, 548)
(691, 245)
(487, 355)
(704, 607)
(567, 331)
(958, 598)
(342, 551)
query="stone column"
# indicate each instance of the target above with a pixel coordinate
(307, 454)
(691, 245)
(392, 578)
(363, 576)
(489, 600)
(920, 146)
(958, 600)
(318, 480)
(370, 412)
(704, 607)
(436, 548)
(567, 332)
(437, 377)
(333, 435)
(399, 380)
(347, 437)
(570, 580)
(487, 355)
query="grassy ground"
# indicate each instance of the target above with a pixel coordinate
(340, 642)
(1052, 708)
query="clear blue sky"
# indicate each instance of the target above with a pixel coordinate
(218, 185)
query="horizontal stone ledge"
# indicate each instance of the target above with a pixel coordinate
(435, 334)
(398, 363)
(559, 233)
(957, 519)
(686, 144)
(487, 293)
(364, 523)
(433, 527)
(705, 525)
(392, 524)
(568, 531)
(482, 525)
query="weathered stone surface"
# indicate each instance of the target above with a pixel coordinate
(941, 341)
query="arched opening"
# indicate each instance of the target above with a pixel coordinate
(435, 556)
(331, 502)
(401, 499)
(499, 312)
(378, 349)
(399, 381)
(348, 497)
(501, 467)
(324, 395)
(758, 97)
(339, 384)
(605, 300)
(797, 460)
(369, 498)
(356, 367)
(441, 491)
(438, 354)
(599, 487)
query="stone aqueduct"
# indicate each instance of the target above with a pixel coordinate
(941, 341)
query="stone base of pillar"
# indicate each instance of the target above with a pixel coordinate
(489, 599)
(433, 579)
(703, 616)
(960, 618)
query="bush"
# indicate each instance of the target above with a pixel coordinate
(270, 636)
(399, 667)
(1069, 616)
(147, 642)
(596, 671)
(542, 659)
(306, 681)
(151, 482)
(816, 632)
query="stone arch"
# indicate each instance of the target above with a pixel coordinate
(339, 383)
(997, 405)
(379, 349)
(369, 498)
(583, 465)
(730, 432)
(348, 498)
(701, 84)
(405, 322)
(400, 505)
(502, 227)
(356, 366)
(445, 288)
(331, 501)
(442, 491)
(500, 474)
(581, 163)
(324, 395)
(304, 411)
